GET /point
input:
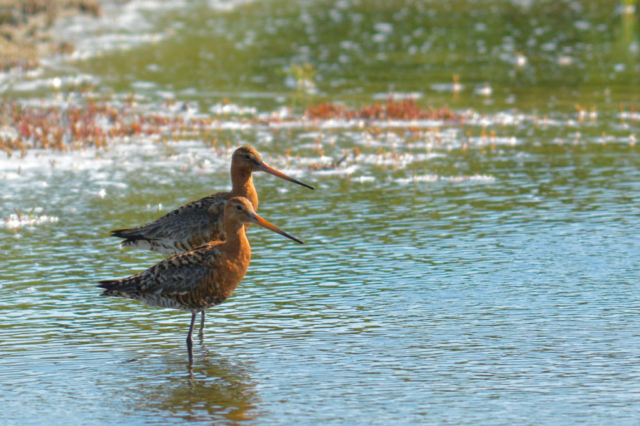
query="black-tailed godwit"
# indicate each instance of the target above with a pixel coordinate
(201, 221)
(200, 278)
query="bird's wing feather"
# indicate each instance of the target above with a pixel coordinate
(194, 218)
(178, 274)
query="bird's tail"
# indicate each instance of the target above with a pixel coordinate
(136, 239)
(132, 234)
(111, 287)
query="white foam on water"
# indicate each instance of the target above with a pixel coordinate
(227, 5)
(397, 96)
(55, 83)
(22, 220)
(232, 109)
(438, 178)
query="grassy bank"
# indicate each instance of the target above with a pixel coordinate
(25, 29)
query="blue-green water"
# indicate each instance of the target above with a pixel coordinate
(450, 274)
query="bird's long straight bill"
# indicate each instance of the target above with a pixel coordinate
(260, 221)
(274, 172)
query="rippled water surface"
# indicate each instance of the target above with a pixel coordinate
(474, 271)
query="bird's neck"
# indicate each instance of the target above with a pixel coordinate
(236, 242)
(242, 186)
(234, 261)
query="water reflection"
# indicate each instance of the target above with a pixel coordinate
(214, 389)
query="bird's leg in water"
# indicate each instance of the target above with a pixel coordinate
(190, 337)
(202, 323)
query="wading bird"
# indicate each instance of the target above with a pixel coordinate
(200, 278)
(201, 221)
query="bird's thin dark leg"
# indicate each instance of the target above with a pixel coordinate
(190, 338)
(202, 323)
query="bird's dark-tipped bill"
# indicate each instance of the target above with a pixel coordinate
(272, 171)
(260, 221)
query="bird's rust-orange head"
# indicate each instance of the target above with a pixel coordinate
(239, 211)
(247, 159)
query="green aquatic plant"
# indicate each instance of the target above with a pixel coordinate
(304, 75)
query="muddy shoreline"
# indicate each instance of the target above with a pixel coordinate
(25, 29)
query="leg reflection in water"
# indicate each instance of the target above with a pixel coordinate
(214, 390)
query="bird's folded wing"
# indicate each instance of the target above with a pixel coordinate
(181, 224)
(178, 274)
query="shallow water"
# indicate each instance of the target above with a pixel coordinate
(449, 274)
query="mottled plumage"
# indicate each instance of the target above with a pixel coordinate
(186, 281)
(201, 221)
(200, 278)
(184, 229)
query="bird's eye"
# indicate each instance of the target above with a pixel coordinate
(238, 208)
(247, 157)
